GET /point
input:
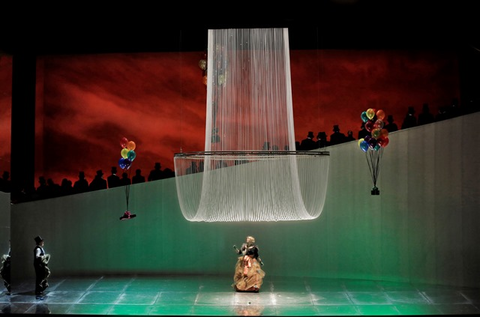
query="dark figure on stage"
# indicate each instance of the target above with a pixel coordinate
(5, 271)
(40, 263)
(248, 275)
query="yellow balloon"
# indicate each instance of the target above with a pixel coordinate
(370, 113)
(202, 64)
(131, 145)
(124, 153)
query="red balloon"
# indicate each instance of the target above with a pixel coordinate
(379, 124)
(124, 142)
(383, 141)
(369, 125)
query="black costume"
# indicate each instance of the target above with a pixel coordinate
(5, 271)
(40, 263)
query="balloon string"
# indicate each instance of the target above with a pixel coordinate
(370, 167)
(127, 193)
(373, 160)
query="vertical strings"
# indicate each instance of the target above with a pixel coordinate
(247, 99)
(249, 108)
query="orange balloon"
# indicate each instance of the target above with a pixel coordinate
(380, 114)
(131, 145)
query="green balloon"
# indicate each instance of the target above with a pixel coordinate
(131, 155)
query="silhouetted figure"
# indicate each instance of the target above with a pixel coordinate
(297, 145)
(113, 180)
(156, 173)
(454, 109)
(125, 180)
(81, 184)
(363, 131)
(391, 126)
(322, 140)
(5, 271)
(66, 187)
(266, 146)
(138, 177)
(337, 137)
(5, 183)
(308, 143)
(192, 169)
(441, 114)
(215, 136)
(42, 189)
(349, 136)
(53, 188)
(98, 182)
(167, 173)
(410, 120)
(471, 106)
(425, 116)
(20, 193)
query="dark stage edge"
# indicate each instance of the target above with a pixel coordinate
(214, 296)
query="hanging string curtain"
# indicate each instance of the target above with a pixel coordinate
(250, 170)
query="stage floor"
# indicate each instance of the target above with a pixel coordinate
(213, 295)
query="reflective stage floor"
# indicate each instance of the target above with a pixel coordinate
(207, 296)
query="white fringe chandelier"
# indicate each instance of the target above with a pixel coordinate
(250, 170)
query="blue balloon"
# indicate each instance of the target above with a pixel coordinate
(124, 163)
(364, 146)
(121, 163)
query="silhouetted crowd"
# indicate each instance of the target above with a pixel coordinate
(410, 120)
(47, 188)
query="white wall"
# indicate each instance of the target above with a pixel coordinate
(423, 227)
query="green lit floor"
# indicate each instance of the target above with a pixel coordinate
(206, 295)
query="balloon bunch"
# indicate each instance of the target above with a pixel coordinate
(374, 143)
(203, 66)
(128, 153)
(219, 72)
(378, 138)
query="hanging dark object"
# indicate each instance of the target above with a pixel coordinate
(128, 155)
(127, 215)
(374, 142)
